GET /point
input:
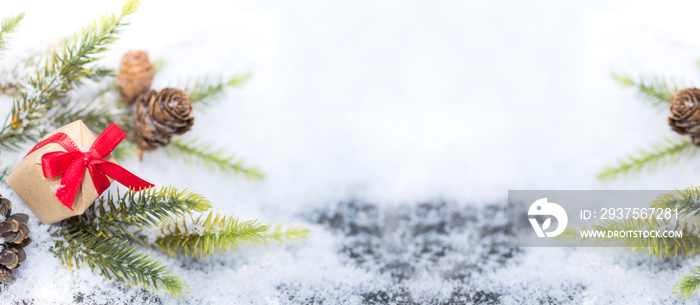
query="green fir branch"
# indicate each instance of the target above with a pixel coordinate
(667, 153)
(4, 172)
(8, 26)
(151, 208)
(60, 74)
(202, 238)
(195, 152)
(115, 258)
(291, 233)
(689, 284)
(687, 201)
(222, 233)
(656, 92)
(204, 92)
(19, 74)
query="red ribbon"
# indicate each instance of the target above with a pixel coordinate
(72, 163)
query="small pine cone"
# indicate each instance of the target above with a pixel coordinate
(685, 113)
(15, 235)
(160, 115)
(135, 75)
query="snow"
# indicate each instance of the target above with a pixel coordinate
(397, 106)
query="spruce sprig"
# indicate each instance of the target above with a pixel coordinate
(689, 284)
(204, 92)
(195, 152)
(8, 26)
(219, 232)
(122, 215)
(202, 238)
(666, 153)
(115, 258)
(657, 92)
(291, 233)
(61, 73)
(687, 201)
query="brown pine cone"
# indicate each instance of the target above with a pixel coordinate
(15, 234)
(135, 75)
(685, 113)
(160, 115)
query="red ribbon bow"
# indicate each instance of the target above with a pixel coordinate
(72, 163)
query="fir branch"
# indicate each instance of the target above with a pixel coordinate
(687, 201)
(8, 26)
(60, 74)
(657, 92)
(204, 92)
(222, 233)
(689, 284)
(203, 238)
(4, 172)
(195, 152)
(667, 153)
(117, 259)
(26, 64)
(117, 216)
(292, 233)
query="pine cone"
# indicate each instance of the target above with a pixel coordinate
(135, 75)
(160, 115)
(685, 112)
(15, 234)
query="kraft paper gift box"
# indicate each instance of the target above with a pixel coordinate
(39, 193)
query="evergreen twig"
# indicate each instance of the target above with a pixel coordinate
(204, 92)
(657, 92)
(687, 201)
(222, 233)
(689, 284)
(8, 26)
(198, 153)
(667, 153)
(116, 259)
(118, 216)
(61, 73)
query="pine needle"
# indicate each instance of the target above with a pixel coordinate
(689, 284)
(151, 208)
(667, 153)
(222, 233)
(656, 92)
(205, 92)
(195, 152)
(61, 73)
(116, 259)
(8, 26)
(686, 201)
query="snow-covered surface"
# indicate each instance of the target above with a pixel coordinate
(392, 105)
